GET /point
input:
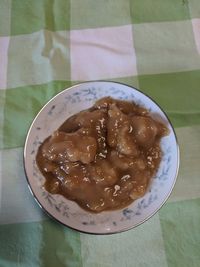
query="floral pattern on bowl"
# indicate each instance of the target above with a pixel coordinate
(52, 115)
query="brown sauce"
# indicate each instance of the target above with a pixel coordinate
(103, 158)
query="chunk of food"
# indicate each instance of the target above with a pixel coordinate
(145, 130)
(122, 162)
(103, 158)
(89, 119)
(126, 143)
(104, 102)
(120, 132)
(103, 173)
(67, 146)
(116, 120)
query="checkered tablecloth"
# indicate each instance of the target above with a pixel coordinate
(49, 45)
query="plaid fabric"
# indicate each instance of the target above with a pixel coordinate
(46, 46)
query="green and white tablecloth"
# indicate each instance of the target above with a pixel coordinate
(48, 45)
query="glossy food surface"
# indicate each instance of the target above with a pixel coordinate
(104, 157)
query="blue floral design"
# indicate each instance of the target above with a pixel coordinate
(60, 207)
(51, 110)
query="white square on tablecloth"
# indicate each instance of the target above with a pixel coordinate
(196, 30)
(4, 43)
(102, 53)
(17, 203)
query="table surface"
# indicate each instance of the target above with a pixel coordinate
(47, 46)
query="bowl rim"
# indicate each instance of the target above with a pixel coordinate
(116, 231)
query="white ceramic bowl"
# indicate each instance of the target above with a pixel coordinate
(52, 115)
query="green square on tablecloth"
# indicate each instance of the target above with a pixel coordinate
(22, 105)
(38, 58)
(180, 222)
(5, 17)
(36, 244)
(132, 81)
(142, 246)
(187, 184)
(20, 244)
(164, 47)
(29, 16)
(177, 93)
(94, 14)
(159, 10)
